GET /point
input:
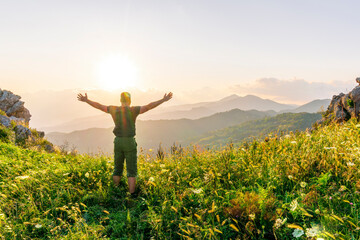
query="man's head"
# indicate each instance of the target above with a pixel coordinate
(125, 98)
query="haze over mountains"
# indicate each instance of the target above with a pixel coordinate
(190, 111)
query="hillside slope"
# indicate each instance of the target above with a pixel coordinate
(316, 106)
(259, 128)
(303, 186)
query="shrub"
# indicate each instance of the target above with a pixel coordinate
(6, 135)
(350, 102)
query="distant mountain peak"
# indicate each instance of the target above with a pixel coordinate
(228, 98)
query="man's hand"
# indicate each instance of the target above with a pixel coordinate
(82, 98)
(168, 96)
(97, 105)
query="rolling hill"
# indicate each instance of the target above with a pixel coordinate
(315, 106)
(305, 185)
(282, 122)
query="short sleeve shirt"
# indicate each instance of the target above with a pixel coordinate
(124, 119)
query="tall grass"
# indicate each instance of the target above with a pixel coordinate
(297, 186)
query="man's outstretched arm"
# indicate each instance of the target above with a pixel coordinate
(152, 105)
(97, 105)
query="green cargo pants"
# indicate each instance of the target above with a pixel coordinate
(125, 148)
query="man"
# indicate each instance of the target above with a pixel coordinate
(125, 146)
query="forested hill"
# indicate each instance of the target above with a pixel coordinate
(259, 128)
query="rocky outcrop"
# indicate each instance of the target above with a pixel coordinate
(14, 124)
(343, 107)
(13, 107)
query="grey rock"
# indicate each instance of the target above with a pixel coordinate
(5, 121)
(41, 134)
(49, 148)
(343, 107)
(355, 94)
(12, 106)
(18, 121)
(22, 133)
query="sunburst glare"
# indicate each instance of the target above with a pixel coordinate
(116, 72)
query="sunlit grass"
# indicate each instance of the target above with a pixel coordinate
(293, 186)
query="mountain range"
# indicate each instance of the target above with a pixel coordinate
(192, 111)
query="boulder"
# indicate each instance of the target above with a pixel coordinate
(22, 133)
(12, 106)
(49, 148)
(5, 121)
(343, 107)
(41, 134)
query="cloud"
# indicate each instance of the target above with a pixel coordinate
(293, 91)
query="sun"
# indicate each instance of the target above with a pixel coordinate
(116, 72)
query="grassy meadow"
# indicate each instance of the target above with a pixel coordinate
(296, 186)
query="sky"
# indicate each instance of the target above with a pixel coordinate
(288, 51)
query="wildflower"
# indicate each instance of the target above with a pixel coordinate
(38, 226)
(162, 165)
(313, 231)
(298, 233)
(252, 216)
(151, 179)
(279, 223)
(317, 211)
(293, 205)
(350, 164)
(287, 136)
(303, 184)
(87, 175)
(342, 188)
(330, 198)
(351, 203)
(197, 191)
(290, 177)
(328, 148)
(293, 142)
(22, 177)
(150, 150)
